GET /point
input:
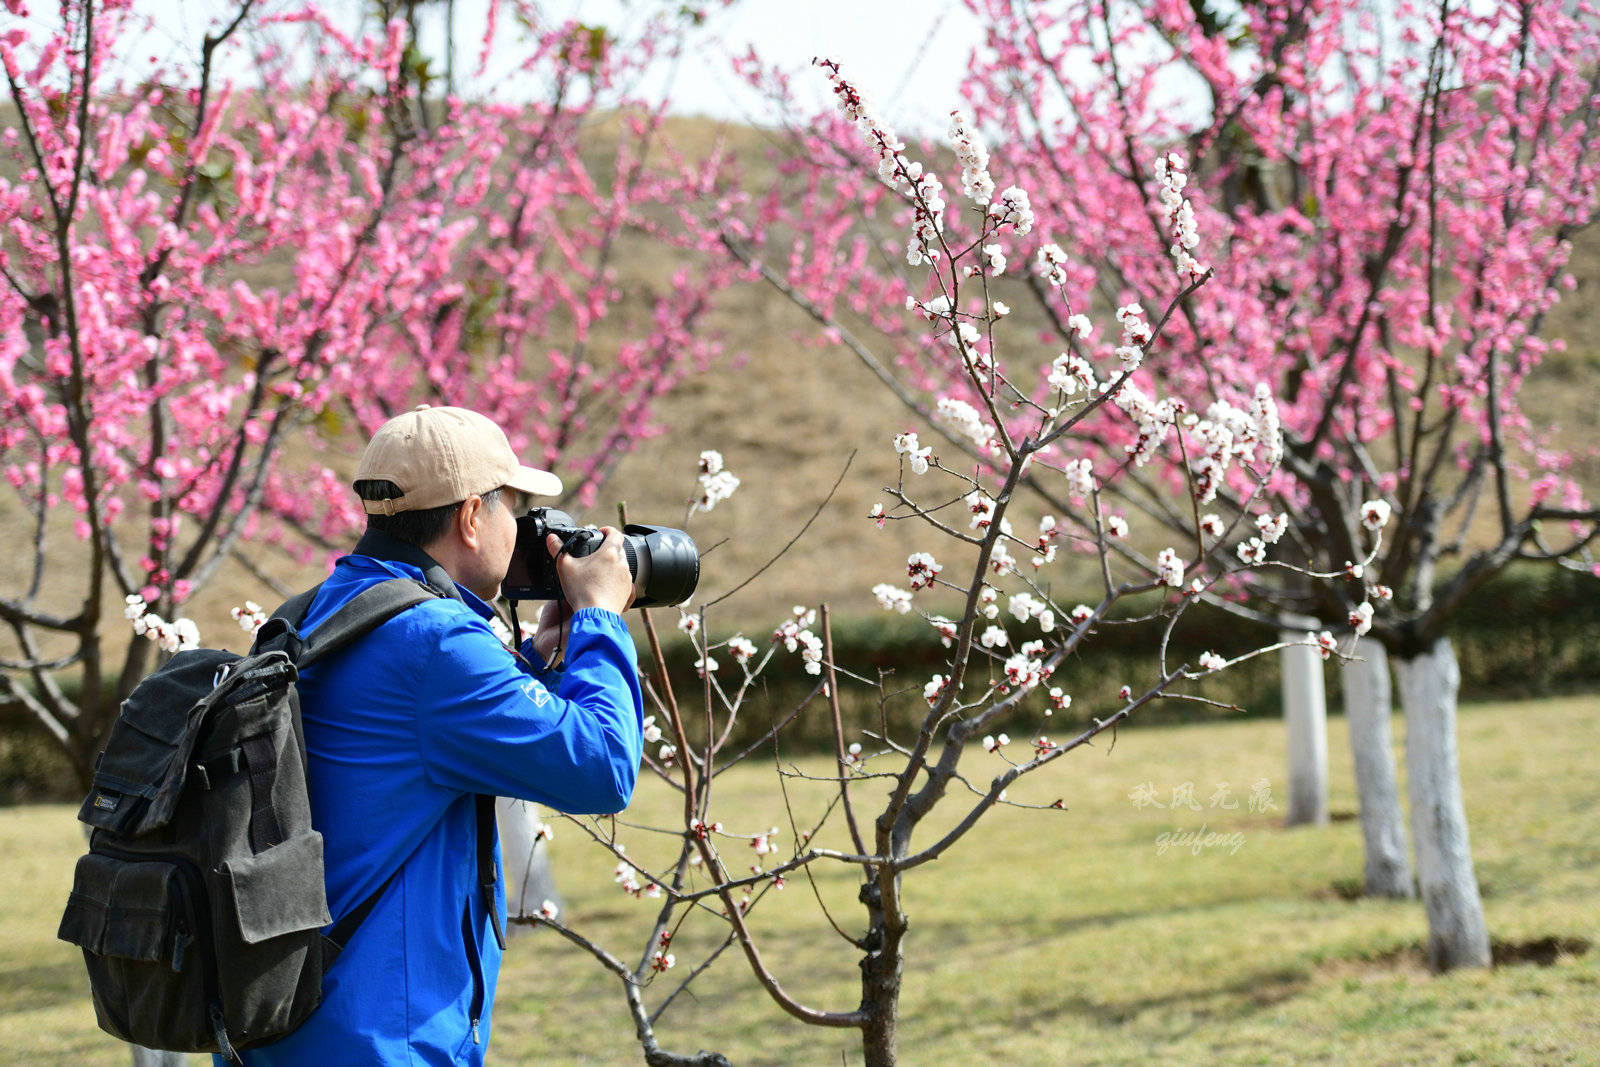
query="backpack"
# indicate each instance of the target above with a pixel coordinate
(200, 903)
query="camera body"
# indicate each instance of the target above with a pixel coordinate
(664, 562)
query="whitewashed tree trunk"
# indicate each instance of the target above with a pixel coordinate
(1457, 936)
(1367, 703)
(530, 880)
(149, 1057)
(1305, 717)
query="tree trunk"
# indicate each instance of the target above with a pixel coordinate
(882, 968)
(1457, 936)
(530, 879)
(149, 1057)
(881, 971)
(1367, 703)
(1305, 716)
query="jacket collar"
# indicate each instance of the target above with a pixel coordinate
(379, 545)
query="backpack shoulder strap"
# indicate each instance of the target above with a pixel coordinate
(361, 614)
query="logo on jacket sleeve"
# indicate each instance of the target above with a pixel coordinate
(535, 691)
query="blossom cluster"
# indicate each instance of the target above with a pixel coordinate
(175, 636)
(1153, 419)
(716, 482)
(965, 420)
(1227, 434)
(973, 157)
(250, 618)
(922, 569)
(1070, 373)
(795, 634)
(627, 876)
(1171, 174)
(1135, 335)
(916, 453)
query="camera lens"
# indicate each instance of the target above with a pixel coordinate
(665, 564)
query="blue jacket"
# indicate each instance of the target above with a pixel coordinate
(402, 731)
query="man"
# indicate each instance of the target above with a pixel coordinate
(406, 730)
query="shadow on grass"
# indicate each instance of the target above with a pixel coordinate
(1543, 951)
(1412, 958)
(1237, 999)
(42, 985)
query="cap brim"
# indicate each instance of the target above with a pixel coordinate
(535, 482)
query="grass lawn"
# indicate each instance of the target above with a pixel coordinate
(1049, 937)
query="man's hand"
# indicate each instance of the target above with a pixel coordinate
(551, 631)
(598, 580)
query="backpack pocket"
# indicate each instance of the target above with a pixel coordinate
(277, 906)
(139, 923)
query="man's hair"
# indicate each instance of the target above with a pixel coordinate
(416, 528)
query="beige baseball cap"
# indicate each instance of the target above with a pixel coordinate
(440, 456)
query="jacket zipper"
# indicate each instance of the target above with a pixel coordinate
(470, 944)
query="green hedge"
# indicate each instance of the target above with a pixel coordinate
(1527, 632)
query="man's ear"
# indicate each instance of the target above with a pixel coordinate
(469, 522)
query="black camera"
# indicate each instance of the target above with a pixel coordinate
(664, 562)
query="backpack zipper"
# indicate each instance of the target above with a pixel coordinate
(191, 888)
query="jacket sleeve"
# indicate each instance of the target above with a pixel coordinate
(486, 726)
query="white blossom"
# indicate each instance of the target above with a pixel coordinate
(892, 598)
(982, 509)
(1155, 420)
(1080, 477)
(906, 444)
(1022, 671)
(965, 419)
(1169, 568)
(1272, 527)
(1048, 264)
(922, 569)
(994, 259)
(1180, 213)
(1268, 430)
(973, 157)
(715, 486)
(251, 617)
(1013, 208)
(1070, 373)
